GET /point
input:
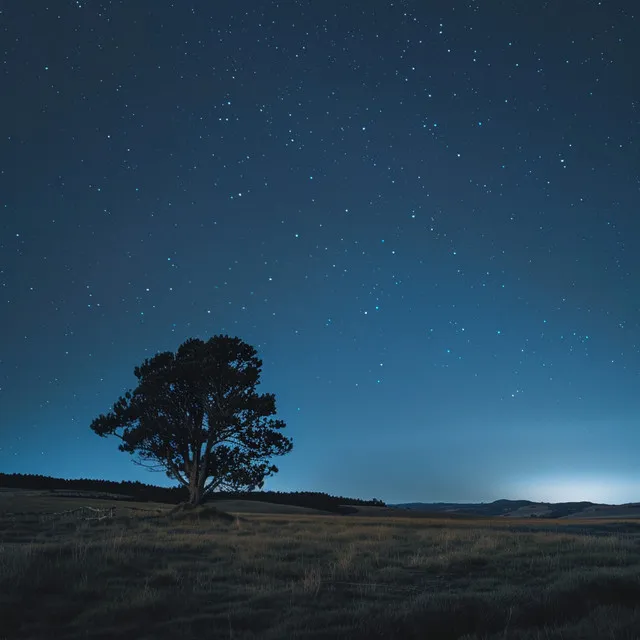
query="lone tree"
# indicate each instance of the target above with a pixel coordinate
(196, 415)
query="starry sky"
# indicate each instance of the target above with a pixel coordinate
(424, 215)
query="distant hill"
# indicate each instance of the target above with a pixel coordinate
(309, 499)
(497, 508)
(269, 508)
(526, 509)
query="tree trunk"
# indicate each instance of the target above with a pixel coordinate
(196, 486)
(195, 494)
(196, 479)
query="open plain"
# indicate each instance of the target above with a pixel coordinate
(265, 573)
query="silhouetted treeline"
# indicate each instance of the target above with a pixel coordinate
(128, 490)
(311, 499)
(140, 492)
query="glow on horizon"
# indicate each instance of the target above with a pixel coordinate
(578, 488)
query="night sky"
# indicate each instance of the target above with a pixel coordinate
(424, 215)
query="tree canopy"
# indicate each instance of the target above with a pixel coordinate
(196, 415)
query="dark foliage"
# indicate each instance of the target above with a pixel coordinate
(196, 416)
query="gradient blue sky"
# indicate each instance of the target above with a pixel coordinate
(425, 217)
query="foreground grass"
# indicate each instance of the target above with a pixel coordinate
(316, 577)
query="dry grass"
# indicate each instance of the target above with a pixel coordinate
(297, 576)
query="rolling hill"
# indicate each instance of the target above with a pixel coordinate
(527, 509)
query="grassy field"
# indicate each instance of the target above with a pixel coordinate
(144, 574)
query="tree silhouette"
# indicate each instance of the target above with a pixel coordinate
(197, 416)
